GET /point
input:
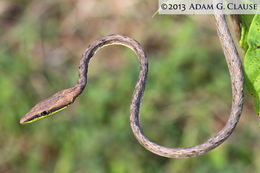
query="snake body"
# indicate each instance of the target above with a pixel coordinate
(66, 97)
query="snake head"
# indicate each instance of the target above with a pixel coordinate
(51, 105)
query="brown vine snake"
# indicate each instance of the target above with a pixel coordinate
(65, 97)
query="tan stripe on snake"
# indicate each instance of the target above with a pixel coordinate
(66, 97)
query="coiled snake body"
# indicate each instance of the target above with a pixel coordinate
(64, 98)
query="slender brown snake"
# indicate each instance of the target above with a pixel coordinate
(65, 97)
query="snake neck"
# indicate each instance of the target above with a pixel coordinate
(113, 39)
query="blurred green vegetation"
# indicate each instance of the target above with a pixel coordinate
(187, 99)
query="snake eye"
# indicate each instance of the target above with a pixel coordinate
(44, 113)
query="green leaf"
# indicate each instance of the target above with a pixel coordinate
(251, 44)
(246, 21)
